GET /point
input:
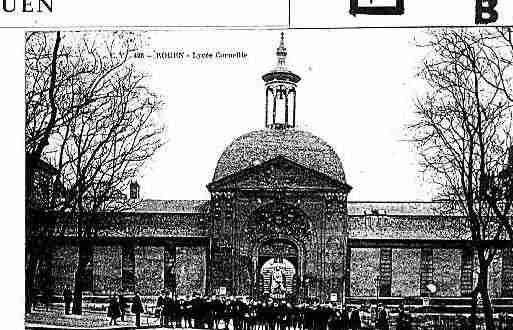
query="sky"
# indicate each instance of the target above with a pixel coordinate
(357, 93)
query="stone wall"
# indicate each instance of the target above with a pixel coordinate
(364, 270)
(145, 273)
(447, 272)
(190, 268)
(405, 272)
(107, 269)
(149, 277)
(63, 267)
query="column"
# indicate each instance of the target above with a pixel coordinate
(347, 279)
(426, 270)
(467, 259)
(507, 273)
(128, 268)
(86, 258)
(222, 263)
(170, 268)
(335, 245)
(385, 272)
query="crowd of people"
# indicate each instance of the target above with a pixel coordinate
(243, 313)
(240, 313)
(219, 312)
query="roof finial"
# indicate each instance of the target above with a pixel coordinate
(281, 52)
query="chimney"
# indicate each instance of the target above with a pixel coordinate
(134, 190)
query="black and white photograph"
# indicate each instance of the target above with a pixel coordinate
(269, 179)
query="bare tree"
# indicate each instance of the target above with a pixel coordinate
(463, 134)
(498, 53)
(107, 127)
(41, 57)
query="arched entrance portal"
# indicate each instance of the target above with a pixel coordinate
(278, 269)
(278, 275)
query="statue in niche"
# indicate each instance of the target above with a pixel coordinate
(278, 279)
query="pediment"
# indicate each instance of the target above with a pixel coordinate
(278, 173)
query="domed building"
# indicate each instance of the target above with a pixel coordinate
(278, 224)
(279, 199)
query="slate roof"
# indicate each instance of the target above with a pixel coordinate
(367, 220)
(172, 206)
(299, 146)
(416, 227)
(353, 207)
(397, 208)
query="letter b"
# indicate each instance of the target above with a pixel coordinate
(489, 9)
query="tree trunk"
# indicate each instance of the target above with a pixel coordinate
(473, 311)
(80, 274)
(30, 256)
(29, 251)
(33, 255)
(30, 268)
(487, 305)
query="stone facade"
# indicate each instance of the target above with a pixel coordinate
(307, 213)
(410, 270)
(171, 249)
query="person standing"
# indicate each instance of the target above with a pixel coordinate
(187, 314)
(159, 307)
(181, 312)
(228, 313)
(166, 308)
(344, 318)
(137, 309)
(174, 312)
(354, 321)
(68, 298)
(281, 315)
(382, 318)
(123, 305)
(218, 308)
(210, 313)
(403, 322)
(113, 311)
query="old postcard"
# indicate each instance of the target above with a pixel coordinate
(293, 166)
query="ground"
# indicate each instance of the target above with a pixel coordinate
(89, 319)
(94, 317)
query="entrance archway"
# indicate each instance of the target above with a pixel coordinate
(280, 231)
(278, 269)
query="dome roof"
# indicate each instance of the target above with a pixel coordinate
(298, 146)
